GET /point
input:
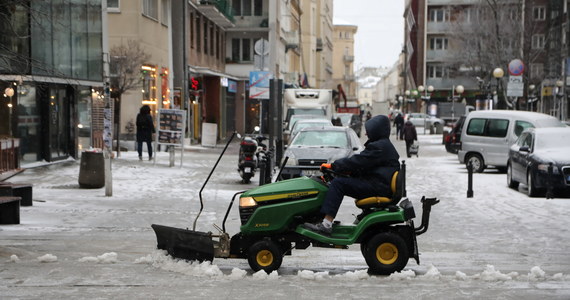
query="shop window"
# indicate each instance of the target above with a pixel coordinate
(149, 84)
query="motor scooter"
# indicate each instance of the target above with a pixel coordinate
(247, 162)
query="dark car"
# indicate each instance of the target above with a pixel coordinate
(351, 120)
(452, 140)
(540, 158)
(314, 146)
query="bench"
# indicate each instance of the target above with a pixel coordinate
(9, 210)
(23, 191)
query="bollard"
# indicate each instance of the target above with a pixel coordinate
(171, 156)
(469, 180)
(403, 170)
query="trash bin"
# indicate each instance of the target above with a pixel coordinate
(439, 128)
(92, 170)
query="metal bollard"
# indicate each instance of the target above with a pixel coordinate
(403, 170)
(469, 180)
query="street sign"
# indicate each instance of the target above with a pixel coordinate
(515, 87)
(516, 67)
(259, 84)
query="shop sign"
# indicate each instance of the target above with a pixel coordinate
(232, 86)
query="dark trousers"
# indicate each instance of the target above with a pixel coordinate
(399, 132)
(148, 145)
(356, 188)
(409, 143)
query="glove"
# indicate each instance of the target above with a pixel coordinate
(326, 166)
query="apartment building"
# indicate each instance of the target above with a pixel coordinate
(343, 58)
(461, 42)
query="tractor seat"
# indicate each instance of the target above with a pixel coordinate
(383, 201)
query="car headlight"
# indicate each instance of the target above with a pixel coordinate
(291, 161)
(544, 168)
(247, 202)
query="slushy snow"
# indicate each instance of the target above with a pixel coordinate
(106, 258)
(47, 258)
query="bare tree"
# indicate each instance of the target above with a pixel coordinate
(490, 34)
(125, 65)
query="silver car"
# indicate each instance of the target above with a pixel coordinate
(421, 120)
(314, 146)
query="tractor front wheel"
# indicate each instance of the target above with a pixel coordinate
(386, 253)
(265, 255)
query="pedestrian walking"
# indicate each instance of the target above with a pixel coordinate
(399, 123)
(368, 115)
(410, 135)
(145, 129)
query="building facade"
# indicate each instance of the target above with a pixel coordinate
(343, 58)
(51, 60)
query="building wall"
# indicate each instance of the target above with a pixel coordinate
(129, 23)
(343, 59)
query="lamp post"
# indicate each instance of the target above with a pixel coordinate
(406, 98)
(559, 98)
(459, 90)
(426, 98)
(498, 74)
(400, 101)
(531, 97)
(9, 91)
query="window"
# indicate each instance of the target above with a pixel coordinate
(198, 35)
(247, 7)
(150, 8)
(114, 5)
(164, 10)
(438, 43)
(539, 13)
(434, 71)
(538, 41)
(520, 126)
(241, 50)
(438, 15)
(488, 127)
(206, 36)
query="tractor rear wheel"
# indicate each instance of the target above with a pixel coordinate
(386, 253)
(265, 255)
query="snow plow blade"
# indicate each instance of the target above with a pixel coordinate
(184, 243)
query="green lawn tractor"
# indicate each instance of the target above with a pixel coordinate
(271, 227)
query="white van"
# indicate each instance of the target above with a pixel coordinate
(487, 135)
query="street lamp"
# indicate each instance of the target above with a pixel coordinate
(498, 74)
(531, 97)
(426, 98)
(559, 98)
(9, 91)
(459, 90)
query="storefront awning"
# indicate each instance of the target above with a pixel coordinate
(206, 71)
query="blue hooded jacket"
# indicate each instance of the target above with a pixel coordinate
(379, 159)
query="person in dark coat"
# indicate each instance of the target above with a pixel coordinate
(399, 123)
(370, 172)
(145, 129)
(410, 135)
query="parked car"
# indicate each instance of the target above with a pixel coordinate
(488, 134)
(452, 140)
(351, 120)
(531, 158)
(305, 123)
(293, 120)
(314, 146)
(421, 120)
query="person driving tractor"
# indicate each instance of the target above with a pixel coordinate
(370, 172)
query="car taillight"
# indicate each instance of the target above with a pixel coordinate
(249, 158)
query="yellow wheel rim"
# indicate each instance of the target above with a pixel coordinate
(387, 253)
(264, 258)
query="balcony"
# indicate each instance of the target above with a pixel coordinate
(219, 11)
(348, 58)
(349, 77)
(291, 39)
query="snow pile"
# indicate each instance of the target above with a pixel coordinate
(432, 273)
(160, 259)
(47, 258)
(536, 273)
(460, 276)
(13, 258)
(310, 275)
(353, 276)
(490, 274)
(261, 275)
(403, 275)
(105, 258)
(237, 274)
